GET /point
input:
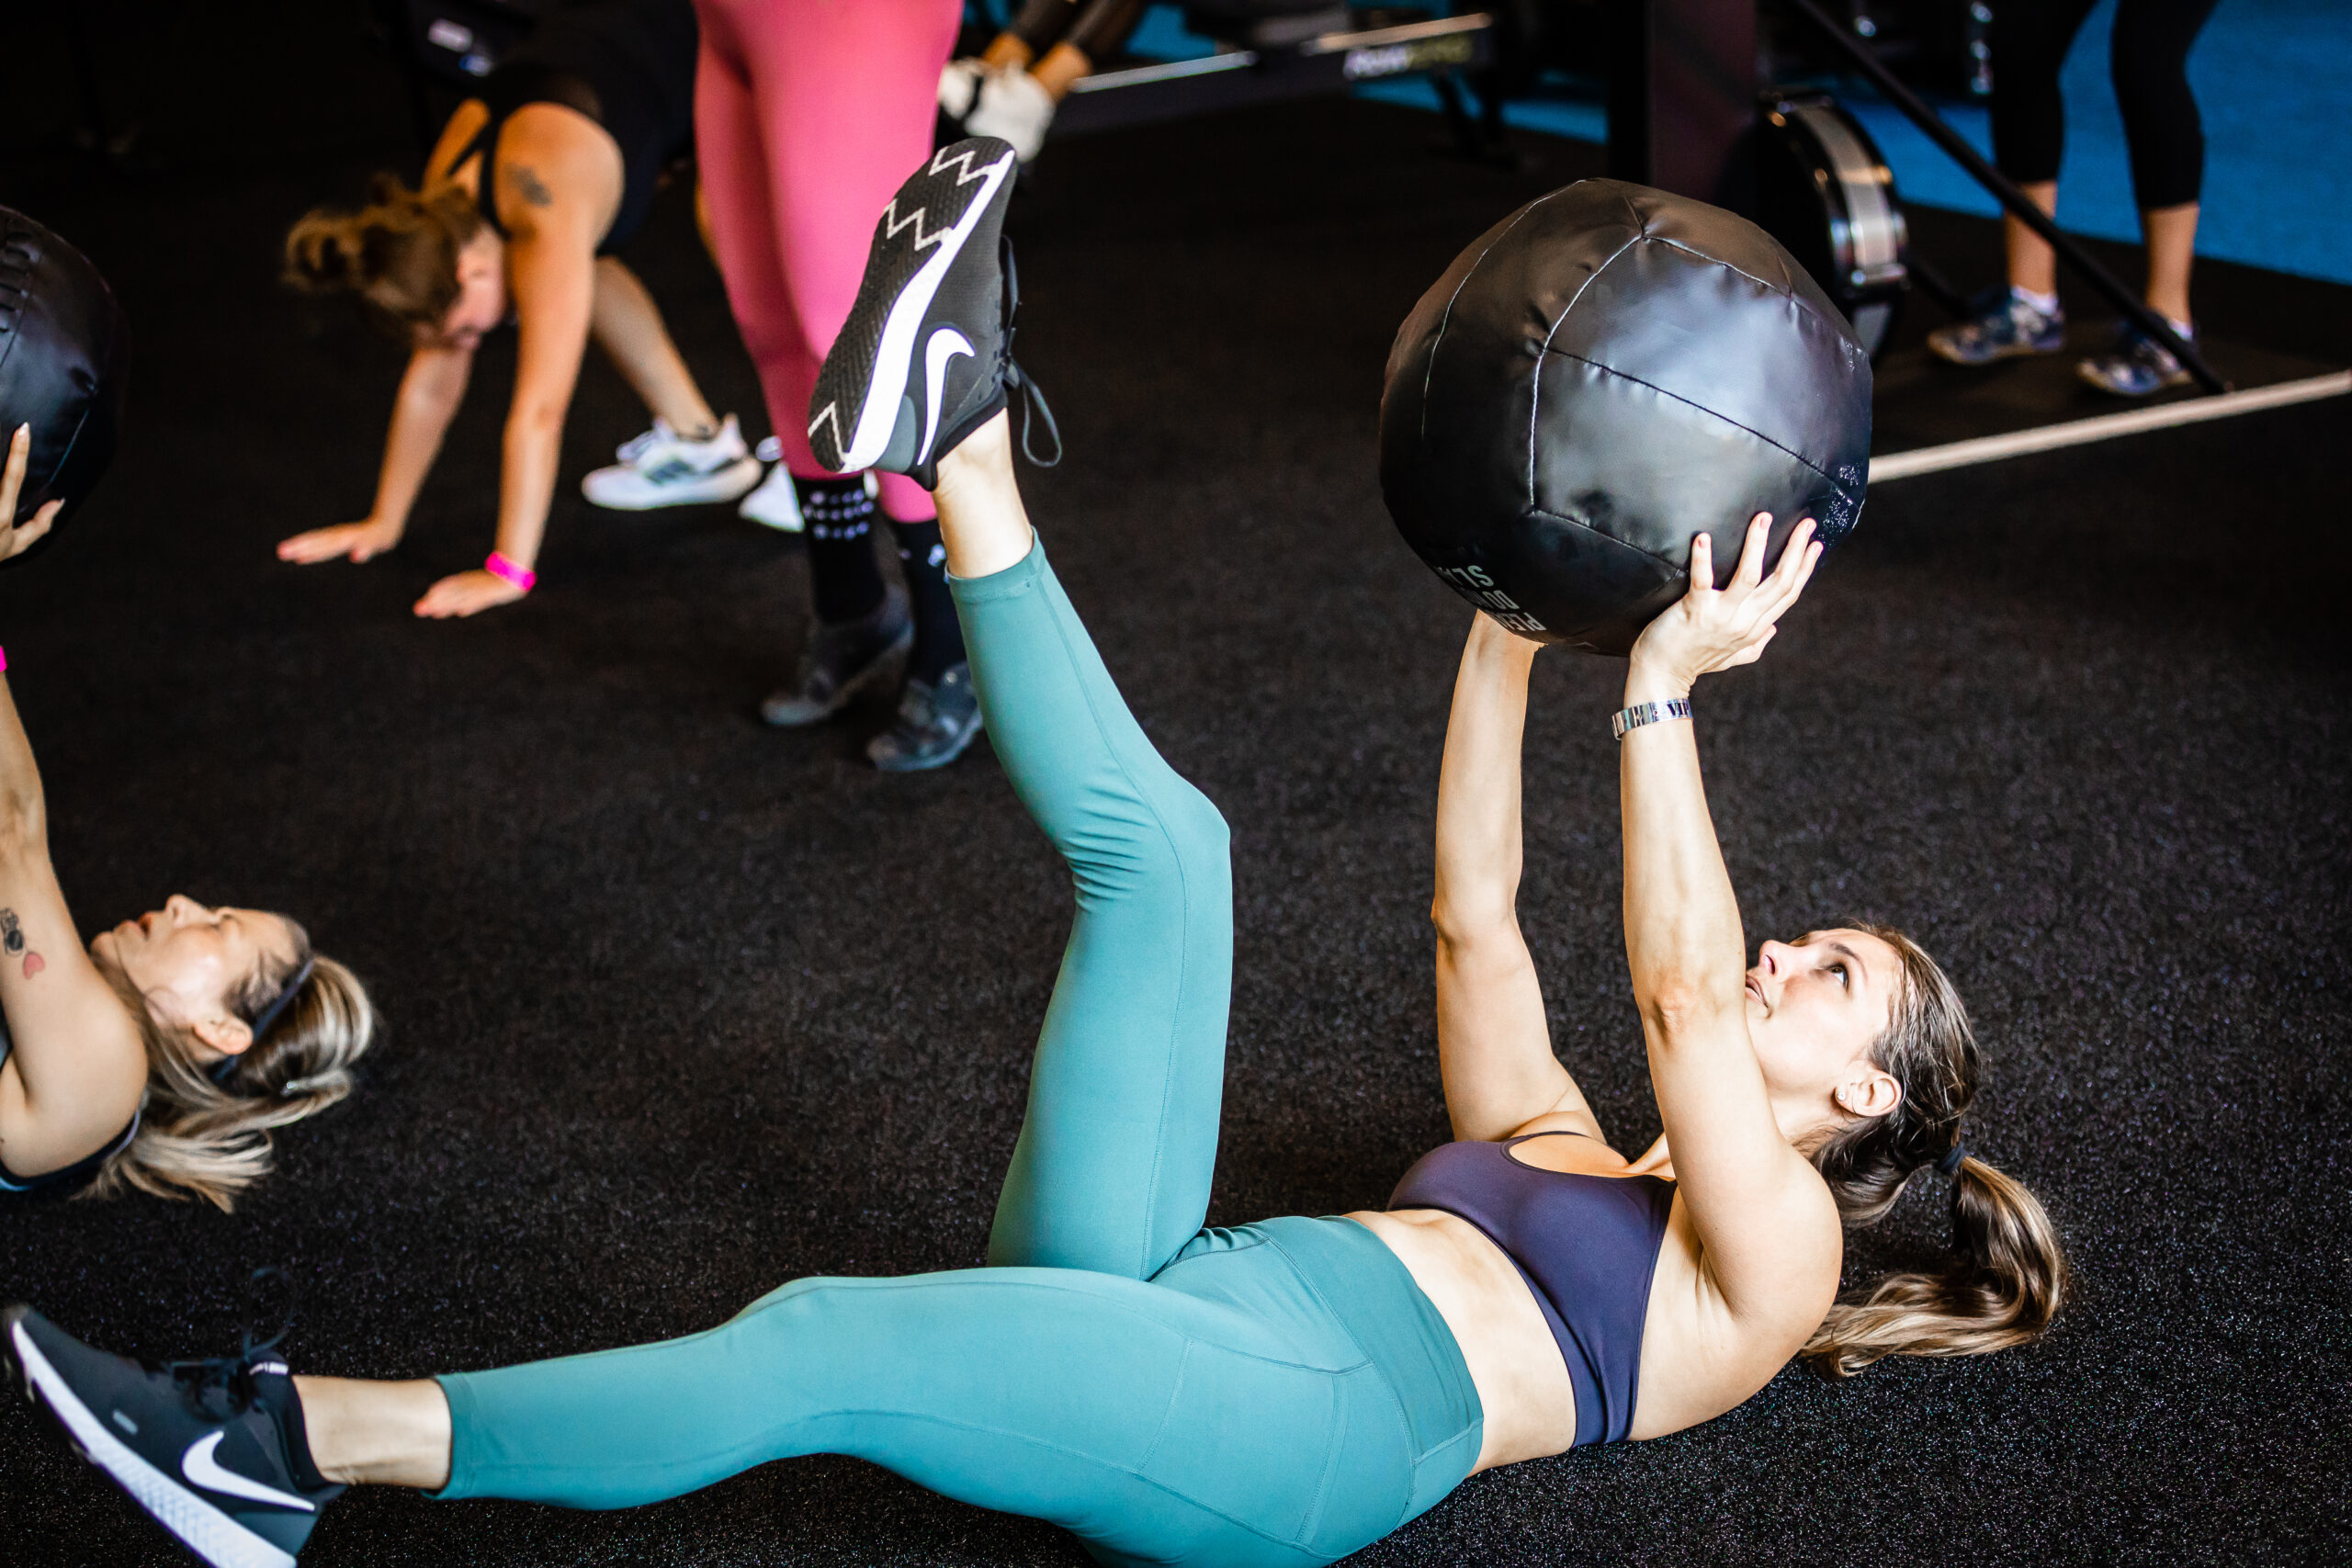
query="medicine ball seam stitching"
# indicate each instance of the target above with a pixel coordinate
(1583, 526)
(1661, 392)
(1445, 317)
(48, 489)
(1782, 288)
(1535, 384)
(1786, 288)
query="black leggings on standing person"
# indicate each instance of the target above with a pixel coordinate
(2149, 57)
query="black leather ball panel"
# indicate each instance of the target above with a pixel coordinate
(1607, 372)
(64, 357)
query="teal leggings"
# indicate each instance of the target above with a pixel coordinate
(1281, 1393)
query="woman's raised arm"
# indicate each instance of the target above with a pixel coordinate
(1494, 1046)
(1760, 1213)
(77, 1065)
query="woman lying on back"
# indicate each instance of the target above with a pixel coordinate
(1284, 1393)
(160, 1056)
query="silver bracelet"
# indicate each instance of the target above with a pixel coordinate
(1641, 714)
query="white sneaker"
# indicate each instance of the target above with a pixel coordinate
(1014, 107)
(775, 504)
(959, 85)
(662, 468)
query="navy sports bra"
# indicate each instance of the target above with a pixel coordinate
(73, 1176)
(1586, 1246)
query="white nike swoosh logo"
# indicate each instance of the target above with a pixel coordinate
(944, 346)
(871, 433)
(198, 1465)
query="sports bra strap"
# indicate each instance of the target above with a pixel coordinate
(485, 141)
(510, 88)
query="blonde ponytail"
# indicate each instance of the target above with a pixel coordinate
(211, 1139)
(2003, 1285)
(2006, 1275)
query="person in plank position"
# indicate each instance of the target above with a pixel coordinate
(533, 186)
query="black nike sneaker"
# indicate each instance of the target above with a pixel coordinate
(926, 355)
(937, 721)
(209, 1449)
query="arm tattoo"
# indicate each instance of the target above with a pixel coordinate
(12, 938)
(528, 186)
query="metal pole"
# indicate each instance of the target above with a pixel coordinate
(1682, 97)
(2108, 286)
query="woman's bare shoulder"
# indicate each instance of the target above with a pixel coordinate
(558, 170)
(463, 127)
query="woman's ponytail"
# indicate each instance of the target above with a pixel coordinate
(210, 1137)
(2003, 1286)
(399, 254)
(2006, 1275)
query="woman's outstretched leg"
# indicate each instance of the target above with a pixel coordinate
(1113, 1167)
(1162, 1425)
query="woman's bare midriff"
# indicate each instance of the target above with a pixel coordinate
(1530, 1405)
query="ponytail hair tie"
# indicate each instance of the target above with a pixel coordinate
(1950, 1162)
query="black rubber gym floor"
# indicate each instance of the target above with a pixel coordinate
(682, 1008)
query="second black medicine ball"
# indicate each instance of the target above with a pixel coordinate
(64, 355)
(1603, 373)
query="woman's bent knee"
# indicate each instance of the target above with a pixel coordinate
(1160, 840)
(1197, 832)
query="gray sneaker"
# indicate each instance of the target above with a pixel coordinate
(841, 659)
(2002, 327)
(2135, 367)
(934, 726)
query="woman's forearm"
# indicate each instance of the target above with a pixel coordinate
(1478, 847)
(554, 283)
(1683, 941)
(24, 812)
(430, 391)
(1494, 1043)
(526, 483)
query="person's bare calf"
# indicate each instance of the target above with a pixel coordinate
(380, 1434)
(981, 519)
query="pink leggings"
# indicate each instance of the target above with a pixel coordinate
(808, 116)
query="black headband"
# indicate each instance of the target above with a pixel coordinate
(222, 1071)
(283, 999)
(1950, 1164)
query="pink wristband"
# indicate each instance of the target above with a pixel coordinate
(3, 661)
(498, 566)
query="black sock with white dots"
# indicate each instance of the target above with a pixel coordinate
(845, 580)
(939, 636)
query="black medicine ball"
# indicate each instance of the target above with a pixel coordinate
(1603, 373)
(64, 355)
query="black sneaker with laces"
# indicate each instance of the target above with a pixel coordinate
(926, 355)
(209, 1449)
(936, 722)
(841, 659)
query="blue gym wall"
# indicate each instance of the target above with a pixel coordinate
(2273, 79)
